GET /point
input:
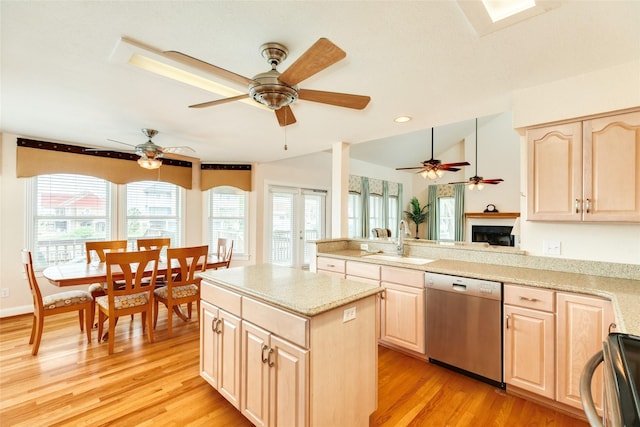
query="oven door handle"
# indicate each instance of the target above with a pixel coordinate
(585, 389)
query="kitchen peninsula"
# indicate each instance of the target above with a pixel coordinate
(288, 345)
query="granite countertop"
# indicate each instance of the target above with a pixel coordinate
(295, 290)
(623, 293)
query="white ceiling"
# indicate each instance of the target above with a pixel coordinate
(419, 58)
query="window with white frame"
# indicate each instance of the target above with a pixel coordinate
(228, 213)
(376, 214)
(65, 211)
(446, 218)
(153, 209)
(393, 214)
(354, 215)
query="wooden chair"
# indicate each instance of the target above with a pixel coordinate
(183, 287)
(135, 296)
(225, 251)
(49, 305)
(161, 243)
(99, 250)
(381, 232)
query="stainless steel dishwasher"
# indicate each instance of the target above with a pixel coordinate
(464, 326)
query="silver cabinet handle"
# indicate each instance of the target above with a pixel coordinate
(264, 348)
(588, 205)
(214, 324)
(529, 299)
(577, 205)
(331, 265)
(612, 326)
(219, 326)
(507, 319)
(269, 361)
(585, 389)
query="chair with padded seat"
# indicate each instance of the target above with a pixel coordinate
(182, 286)
(134, 296)
(96, 251)
(224, 251)
(61, 302)
(162, 243)
(381, 232)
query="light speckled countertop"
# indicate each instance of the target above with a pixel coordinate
(295, 290)
(623, 293)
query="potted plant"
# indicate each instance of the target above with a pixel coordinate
(417, 214)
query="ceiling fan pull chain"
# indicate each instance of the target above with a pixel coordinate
(285, 130)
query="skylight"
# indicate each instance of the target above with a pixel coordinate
(502, 9)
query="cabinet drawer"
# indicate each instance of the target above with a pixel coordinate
(364, 280)
(279, 322)
(221, 298)
(403, 276)
(528, 297)
(362, 269)
(330, 264)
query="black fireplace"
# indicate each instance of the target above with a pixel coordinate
(499, 235)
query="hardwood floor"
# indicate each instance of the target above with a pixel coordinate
(158, 384)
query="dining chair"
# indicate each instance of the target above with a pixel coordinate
(61, 302)
(134, 296)
(98, 250)
(225, 251)
(182, 286)
(161, 243)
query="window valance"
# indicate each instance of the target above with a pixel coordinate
(216, 175)
(43, 158)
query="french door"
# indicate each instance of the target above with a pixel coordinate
(297, 216)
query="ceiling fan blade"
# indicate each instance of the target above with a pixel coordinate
(209, 68)
(123, 143)
(219, 101)
(346, 100)
(177, 150)
(285, 116)
(404, 169)
(492, 181)
(319, 56)
(447, 165)
(460, 182)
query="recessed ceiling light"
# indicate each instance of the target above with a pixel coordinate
(402, 119)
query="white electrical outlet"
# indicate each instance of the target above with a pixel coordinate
(364, 246)
(349, 314)
(551, 247)
(4, 293)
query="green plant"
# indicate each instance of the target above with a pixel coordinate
(417, 214)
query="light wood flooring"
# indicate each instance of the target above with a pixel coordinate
(70, 383)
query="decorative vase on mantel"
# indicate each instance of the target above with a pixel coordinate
(417, 214)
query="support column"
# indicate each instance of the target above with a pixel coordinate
(339, 189)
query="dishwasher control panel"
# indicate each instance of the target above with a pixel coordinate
(466, 285)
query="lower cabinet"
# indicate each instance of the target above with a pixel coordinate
(582, 325)
(402, 308)
(220, 351)
(274, 374)
(529, 349)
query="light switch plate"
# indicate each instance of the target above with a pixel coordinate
(364, 246)
(551, 247)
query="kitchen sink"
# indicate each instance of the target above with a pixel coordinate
(401, 259)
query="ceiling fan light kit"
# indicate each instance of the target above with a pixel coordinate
(148, 163)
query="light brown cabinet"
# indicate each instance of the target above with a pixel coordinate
(529, 339)
(402, 308)
(220, 348)
(331, 266)
(582, 324)
(586, 170)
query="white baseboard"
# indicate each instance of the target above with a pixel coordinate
(16, 311)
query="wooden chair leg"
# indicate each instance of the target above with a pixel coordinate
(33, 329)
(87, 323)
(169, 320)
(156, 306)
(36, 344)
(81, 319)
(149, 326)
(112, 334)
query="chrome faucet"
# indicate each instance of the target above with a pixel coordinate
(403, 229)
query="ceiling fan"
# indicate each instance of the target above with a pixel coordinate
(278, 90)
(433, 168)
(478, 181)
(151, 155)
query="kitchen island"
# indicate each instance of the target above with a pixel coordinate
(289, 347)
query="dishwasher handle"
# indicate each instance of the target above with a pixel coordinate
(585, 389)
(459, 287)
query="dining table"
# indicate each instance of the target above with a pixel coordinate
(81, 273)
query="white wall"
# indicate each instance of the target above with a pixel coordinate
(605, 90)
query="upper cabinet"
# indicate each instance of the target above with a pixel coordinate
(585, 171)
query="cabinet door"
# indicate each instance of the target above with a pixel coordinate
(254, 400)
(554, 163)
(529, 350)
(582, 325)
(208, 343)
(229, 357)
(402, 316)
(288, 384)
(612, 168)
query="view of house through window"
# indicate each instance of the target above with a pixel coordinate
(228, 217)
(68, 210)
